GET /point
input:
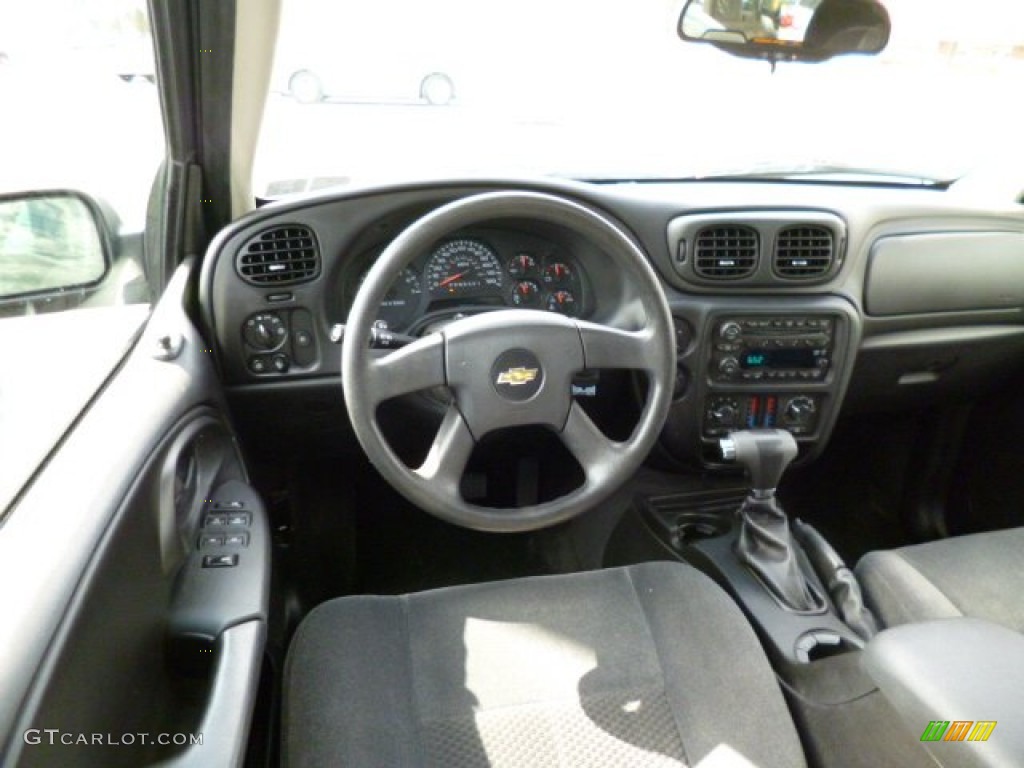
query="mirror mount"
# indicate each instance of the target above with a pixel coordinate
(787, 30)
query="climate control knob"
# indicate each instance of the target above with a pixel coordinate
(799, 411)
(723, 415)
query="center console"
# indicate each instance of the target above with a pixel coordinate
(750, 356)
(750, 368)
(766, 371)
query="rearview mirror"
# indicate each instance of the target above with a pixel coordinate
(787, 30)
(50, 242)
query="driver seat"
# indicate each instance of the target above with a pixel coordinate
(649, 665)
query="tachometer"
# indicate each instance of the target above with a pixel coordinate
(402, 299)
(464, 267)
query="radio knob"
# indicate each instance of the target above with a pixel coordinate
(729, 365)
(730, 331)
(799, 411)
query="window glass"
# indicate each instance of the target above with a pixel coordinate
(81, 139)
(81, 109)
(375, 89)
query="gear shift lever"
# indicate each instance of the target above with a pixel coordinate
(765, 543)
(765, 453)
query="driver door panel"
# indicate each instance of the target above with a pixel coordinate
(128, 650)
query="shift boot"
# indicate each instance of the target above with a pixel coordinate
(765, 545)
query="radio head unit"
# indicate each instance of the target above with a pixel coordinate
(756, 349)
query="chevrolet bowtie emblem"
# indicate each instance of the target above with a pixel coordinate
(516, 377)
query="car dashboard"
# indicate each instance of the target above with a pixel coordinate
(793, 302)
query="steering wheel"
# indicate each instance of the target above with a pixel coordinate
(509, 368)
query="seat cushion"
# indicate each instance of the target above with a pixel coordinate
(649, 665)
(981, 576)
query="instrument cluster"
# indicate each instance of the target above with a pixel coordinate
(474, 272)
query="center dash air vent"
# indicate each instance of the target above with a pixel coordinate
(280, 256)
(804, 252)
(725, 252)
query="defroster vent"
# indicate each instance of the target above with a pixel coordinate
(726, 252)
(280, 256)
(804, 252)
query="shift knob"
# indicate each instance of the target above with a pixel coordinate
(764, 452)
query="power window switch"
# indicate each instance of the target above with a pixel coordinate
(215, 521)
(239, 519)
(220, 561)
(208, 540)
(232, 505)
(236, 540)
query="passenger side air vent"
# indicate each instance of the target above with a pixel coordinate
(726, 252)
(804, 252)
(280, 256)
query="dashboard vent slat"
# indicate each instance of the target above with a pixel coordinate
(727, 252)
(280, 256)
(804, 252)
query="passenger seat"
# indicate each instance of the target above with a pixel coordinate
(980, 576)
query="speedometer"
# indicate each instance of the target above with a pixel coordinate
(464, 267)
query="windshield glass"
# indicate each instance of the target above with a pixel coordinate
(384, 89)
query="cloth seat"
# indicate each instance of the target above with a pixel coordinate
(650, 665)
(980, 575)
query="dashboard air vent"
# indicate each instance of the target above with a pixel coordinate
(280, 256)
(804, 252)
(726, 252)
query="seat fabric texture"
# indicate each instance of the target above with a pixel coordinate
(649, 665)
(980, 575)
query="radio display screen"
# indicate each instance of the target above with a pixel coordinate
(778, 358)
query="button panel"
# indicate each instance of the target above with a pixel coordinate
(225, 531)
(280, 341)
(797, 412)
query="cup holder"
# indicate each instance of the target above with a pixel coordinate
(820, 644)
(691, 527)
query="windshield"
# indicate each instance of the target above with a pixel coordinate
(384, 89)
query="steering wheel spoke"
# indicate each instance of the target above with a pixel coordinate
(449, 454)
(413, 368)
(596, 453)
(606, 347)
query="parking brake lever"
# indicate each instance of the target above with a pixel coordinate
(841, 583)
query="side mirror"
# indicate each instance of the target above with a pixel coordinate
(787, 30)
(51, 242)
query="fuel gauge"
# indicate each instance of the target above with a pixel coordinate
(562, 302)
